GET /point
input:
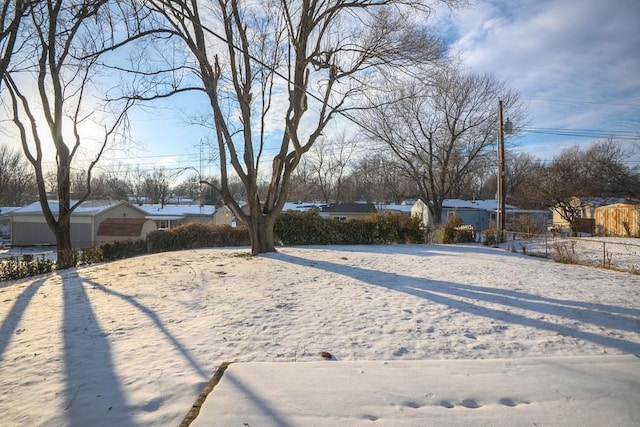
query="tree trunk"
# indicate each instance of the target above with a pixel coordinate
(573, 226)
(261, 234)
(66, 253)
(436, 212)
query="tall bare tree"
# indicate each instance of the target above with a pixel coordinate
(293, 63)
(442, 129)
(51, 97)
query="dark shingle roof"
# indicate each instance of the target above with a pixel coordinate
(349, 208)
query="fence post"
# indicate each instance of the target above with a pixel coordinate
(604, 253)
(546, 246)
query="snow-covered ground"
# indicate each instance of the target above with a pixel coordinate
(133, 342)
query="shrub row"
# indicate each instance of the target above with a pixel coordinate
(17, 268)
(309, 228)
(197, 235)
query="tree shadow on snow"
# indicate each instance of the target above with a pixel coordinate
(8, 327)
(156, 320)
(93, 389)
(468, 298)
(93, 393)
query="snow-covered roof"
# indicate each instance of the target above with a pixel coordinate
(487, 205)
(395, 208)
(349, 208)
(6, 210)
(162, 211)
(87, 208)
(301, 207)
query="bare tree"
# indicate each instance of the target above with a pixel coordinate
(17, 186)
(11, 15)
(298, 62)
(303, 187)
(608, 171)
(379, 179)
(156, 187)
(523, 177)
(58, 55)
(442, 129)
(576, 176)
(565, 187)
(329, 160)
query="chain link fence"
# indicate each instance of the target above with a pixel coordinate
(608, 252)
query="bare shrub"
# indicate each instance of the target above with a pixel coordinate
(565, 252)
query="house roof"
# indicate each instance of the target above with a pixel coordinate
(6, 210)
(602, 201)
(301, 207)
(129, 227)
(87, 208)
(176, 211)
(349, 208)
(395, 208)
(487, 205)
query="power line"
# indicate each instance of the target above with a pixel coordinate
(569, 101)
(587, 133)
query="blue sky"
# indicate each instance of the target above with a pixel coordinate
(575, 62)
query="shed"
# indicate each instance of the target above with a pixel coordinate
(119, 229)
(619, 219)
(29, 228)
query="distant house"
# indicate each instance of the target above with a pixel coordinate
(169, 216)
(223, 215)
(5, 224)
(29, 227)
(619, 219)
(479, 214)
(123, 229)
(344, 211)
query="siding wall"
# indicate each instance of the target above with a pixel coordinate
(34, 233)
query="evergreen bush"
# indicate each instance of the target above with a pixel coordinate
(18, 268)
(309, 228)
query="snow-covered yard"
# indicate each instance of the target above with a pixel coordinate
(133, 342)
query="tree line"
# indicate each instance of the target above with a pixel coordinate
(342, 172)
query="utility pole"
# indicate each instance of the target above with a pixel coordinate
(501, 174)
(505, 127)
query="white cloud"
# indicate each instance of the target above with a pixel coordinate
(576, 62)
